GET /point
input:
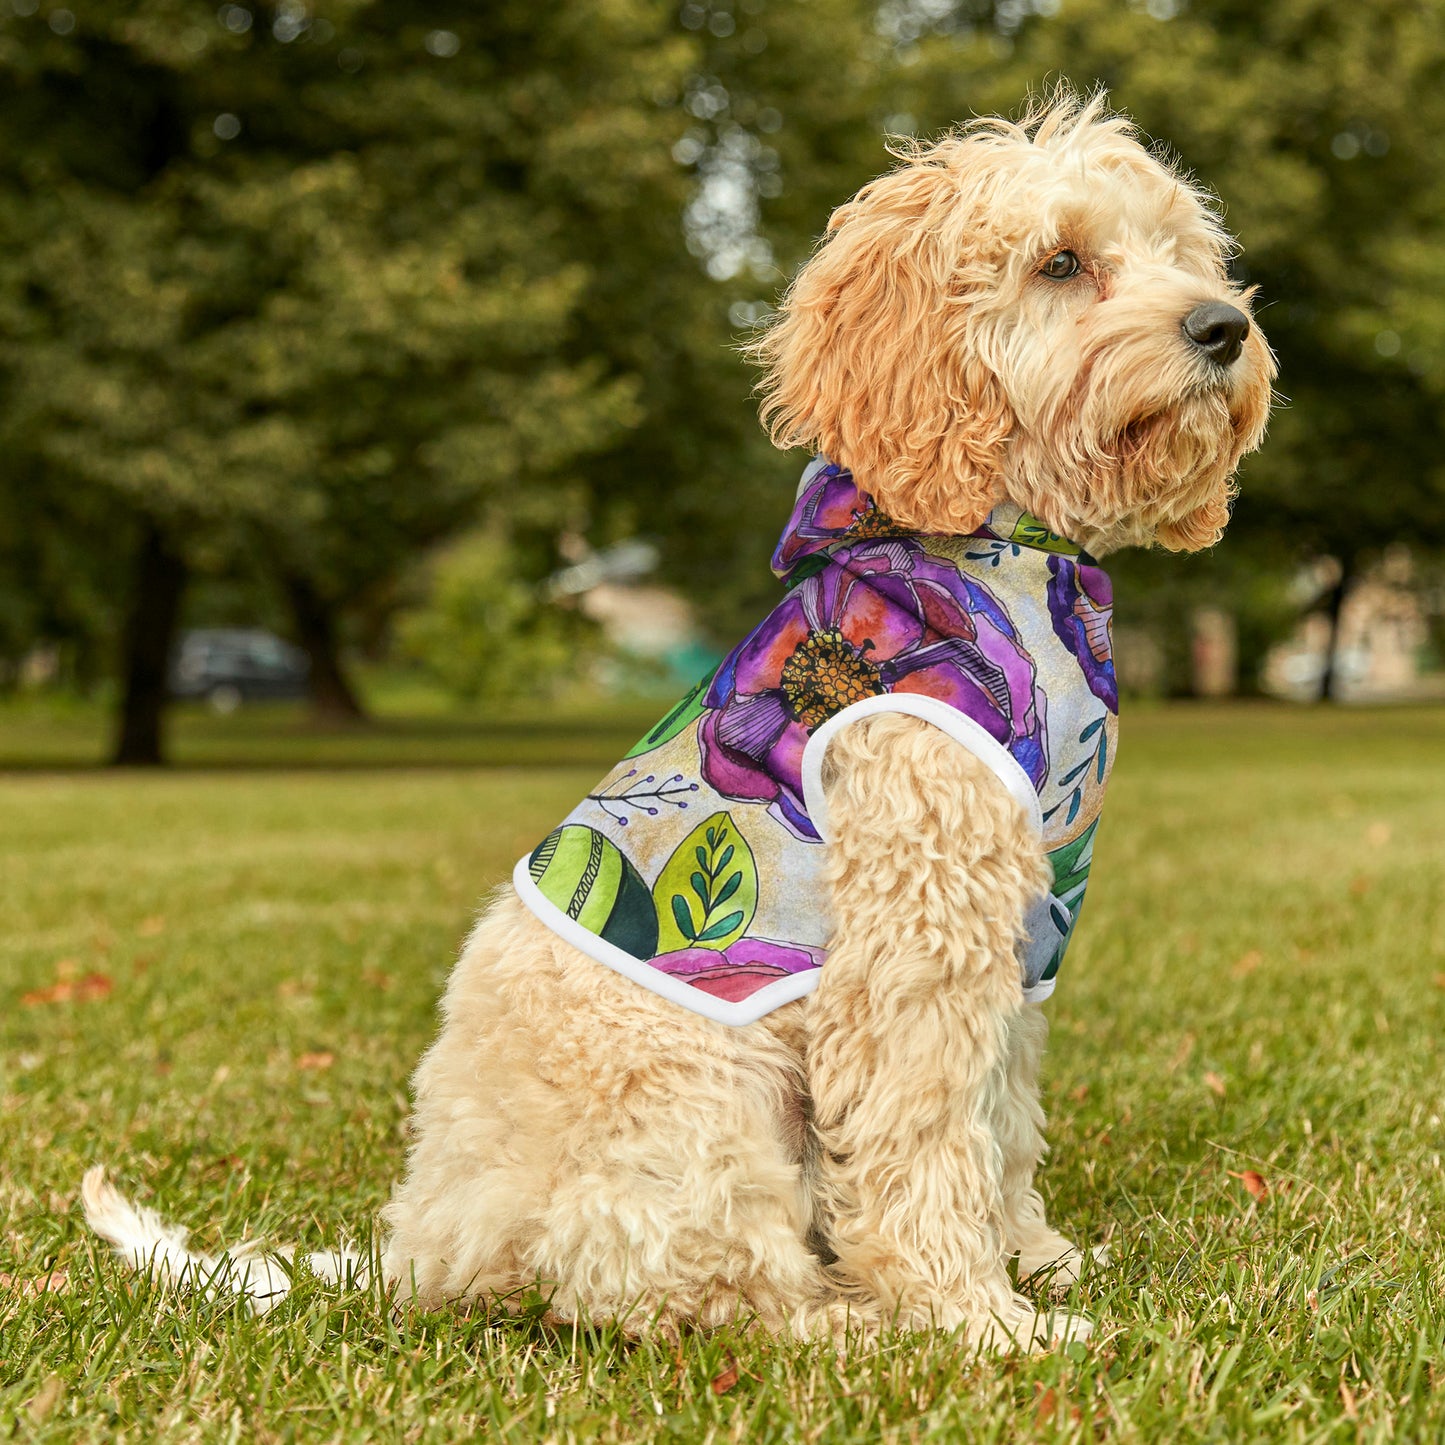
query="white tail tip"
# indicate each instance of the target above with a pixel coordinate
(147, 1243)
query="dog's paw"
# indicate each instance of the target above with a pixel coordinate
(1058, 1265)
(1023, 1326)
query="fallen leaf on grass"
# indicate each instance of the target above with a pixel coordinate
(321, 1059)
(1254, 1182)
(724, 1382)
(66, 990)
(1247, 965)
(1046, 1407)
(1214, 1083)
(56, 1282)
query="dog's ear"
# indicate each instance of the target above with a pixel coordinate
(872, 358)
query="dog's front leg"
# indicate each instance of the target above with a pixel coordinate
(932, 863)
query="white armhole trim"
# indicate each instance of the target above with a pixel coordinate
(676, 990)
(944, 716)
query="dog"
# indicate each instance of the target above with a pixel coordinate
(791, 1078)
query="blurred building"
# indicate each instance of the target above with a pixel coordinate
(1382, 643)
(654, 637)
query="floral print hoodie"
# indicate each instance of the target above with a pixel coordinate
(695, 866)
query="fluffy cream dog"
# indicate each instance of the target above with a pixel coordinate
(1036, 313)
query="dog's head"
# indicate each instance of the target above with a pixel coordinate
(1038, 311)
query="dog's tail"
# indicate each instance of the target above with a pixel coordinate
(147, 1243)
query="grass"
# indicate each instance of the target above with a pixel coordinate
(1257, 987)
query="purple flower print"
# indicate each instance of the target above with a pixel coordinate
(1081, 604)
(883, 616)
(741, 969)
(831, 508)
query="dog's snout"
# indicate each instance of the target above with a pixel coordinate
(1218, 330)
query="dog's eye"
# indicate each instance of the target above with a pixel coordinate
(1060, 266)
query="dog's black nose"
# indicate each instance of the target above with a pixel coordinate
(1217, 330)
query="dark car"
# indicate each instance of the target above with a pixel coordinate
(230, 665)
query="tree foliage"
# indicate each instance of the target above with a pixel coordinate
(320, 285)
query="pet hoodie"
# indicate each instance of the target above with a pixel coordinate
(695, 867)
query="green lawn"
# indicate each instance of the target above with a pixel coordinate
(1259, 985)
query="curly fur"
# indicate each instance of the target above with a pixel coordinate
(866, 1156)
(921, 347)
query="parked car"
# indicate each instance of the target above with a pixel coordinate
(230, 665)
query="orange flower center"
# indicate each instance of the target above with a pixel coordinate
(825, 675)
(872, 521)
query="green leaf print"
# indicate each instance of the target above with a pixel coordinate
(687, 711)
(707, 892)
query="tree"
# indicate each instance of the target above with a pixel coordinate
(301, 281)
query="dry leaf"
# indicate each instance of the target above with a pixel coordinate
(1254, 1182)
(81, 990)
(321, 1059)
(1214, 1083)
(1247, 965)
(56, 993)
(56, 1282)
(1046, 1408)
(724, 1382)
(151, 927)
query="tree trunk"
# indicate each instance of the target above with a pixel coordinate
(1334, 606)
(150, 630)
(333, 699)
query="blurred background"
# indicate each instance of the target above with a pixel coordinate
(363, 362)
